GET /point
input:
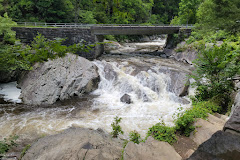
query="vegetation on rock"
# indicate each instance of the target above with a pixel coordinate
(116, 127)
(7, 144)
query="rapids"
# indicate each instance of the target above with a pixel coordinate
(136, 75)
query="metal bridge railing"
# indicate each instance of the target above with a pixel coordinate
(80, 25)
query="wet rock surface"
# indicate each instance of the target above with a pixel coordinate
(58, 79)
(126, 99)
(75, 144)
(110, 74)
(221, 146)
(179, 81)
(151, 149)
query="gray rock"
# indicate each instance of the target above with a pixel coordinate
(110, 74)
(187, 56)
(75, 144)
(206, 128)
(150, 150)
(58, 79)
(221, 146)
(126, 99)
(179, 81)
(233, 123)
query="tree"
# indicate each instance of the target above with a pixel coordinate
(187, 12)
(41, 10)
(6, 24)
(220, 15)
(165, 10)
(217, 65)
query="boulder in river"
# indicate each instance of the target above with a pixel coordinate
(126, 99)
(75, 144)
(58, 79)
(179, 81)
(110, 74)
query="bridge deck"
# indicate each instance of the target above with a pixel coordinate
(135, 30)
(115, 29)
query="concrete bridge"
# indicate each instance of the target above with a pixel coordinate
(76, 33)
(136, 29)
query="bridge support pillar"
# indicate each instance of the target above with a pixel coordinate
(99, 48)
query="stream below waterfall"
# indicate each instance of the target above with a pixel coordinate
(139, 76)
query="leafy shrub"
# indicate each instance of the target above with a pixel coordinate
(135, 137)
(185, 120)
(7, 144)
(217, 65)
(6, 24)
(162, 132)
(116, 127)
(22, 57)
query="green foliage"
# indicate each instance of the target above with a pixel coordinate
(163, 11)
(87, 17)
(219, 15)
(7, 144)
(45, 11)
(23, 57)
(6, 24)
(187, 12)
(124, 146)
(135, 137)
(184, 121)
(116, 127)
(162, 132)
(215, 68)
(25, 150)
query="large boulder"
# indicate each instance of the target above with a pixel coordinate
(206, 128)
(151, 149)
(75, 144)
(179, 81)
(233, 124)
(221, 146)
(58, 79)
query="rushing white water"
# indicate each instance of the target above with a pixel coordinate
(10, 92)
(155, 45)
(139, 77)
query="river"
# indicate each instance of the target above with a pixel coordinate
(121, 72)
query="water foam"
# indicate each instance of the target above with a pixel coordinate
(10, 92)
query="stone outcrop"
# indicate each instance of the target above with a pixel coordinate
(187, 56)
(221, 146)
(75, 144)
(233, 124)
(179, 81)
(206, 128)
(151, 149)
(58, 79)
